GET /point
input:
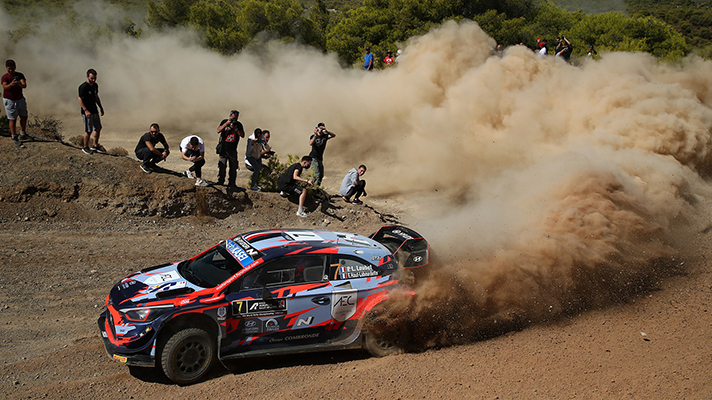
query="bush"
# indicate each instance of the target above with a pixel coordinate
(271, 170)
(47, 128)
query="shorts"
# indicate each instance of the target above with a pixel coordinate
(13, 108)
(93, 123)
(292, 189)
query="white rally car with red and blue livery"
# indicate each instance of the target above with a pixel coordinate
(260, 293)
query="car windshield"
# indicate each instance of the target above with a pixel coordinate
(211, 268)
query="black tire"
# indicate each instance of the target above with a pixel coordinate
(187, 356)
(380, 347)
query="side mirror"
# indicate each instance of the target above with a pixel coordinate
(266, 294)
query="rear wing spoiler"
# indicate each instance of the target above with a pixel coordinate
(409, 248)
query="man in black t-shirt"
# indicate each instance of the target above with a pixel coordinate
(146, 150)
(88, 101)
(318, 143)
(287, 182)
(230, 131)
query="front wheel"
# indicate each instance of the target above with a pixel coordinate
(187, 356)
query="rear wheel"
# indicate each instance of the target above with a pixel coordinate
(379, 346)
(187, 356)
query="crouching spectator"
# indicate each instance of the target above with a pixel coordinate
(287, 182)
(352, 185)
(192, 149)
(146, 150)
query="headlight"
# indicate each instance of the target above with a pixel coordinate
(144, 314)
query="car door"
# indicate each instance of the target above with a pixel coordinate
(282, 303)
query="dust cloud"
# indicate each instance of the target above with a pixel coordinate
(543, 188)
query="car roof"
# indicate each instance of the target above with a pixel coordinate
(276, 242)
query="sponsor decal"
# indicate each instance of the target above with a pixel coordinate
(356, 271)
(402, 234)
(126, 285)
(222, 312)
(184, 302)
(271, 325)
(104, 335)
(251, 251)
(162, 277)
(343, 304)
(417, 258)
(257, 308)
(295, 337)
(239, 253)
(120, 358)
(167, 286)
(252, 327)
(304, 321)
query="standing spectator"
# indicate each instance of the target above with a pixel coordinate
(353, 186)
(287, 182)
(565, 50)
(592, 52)
(255, 151)
(88, 100)
(266, 148)
(500, 51)
(542, 48)
(389, 58)
(192, 149)
(317, 141)
(398, 54)
(15, 104)
(146, 150)
(230, 131)
(368, 60)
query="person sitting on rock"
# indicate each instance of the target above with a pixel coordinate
(287, 182)
(353, 186)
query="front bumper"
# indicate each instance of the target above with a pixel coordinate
(140, 359)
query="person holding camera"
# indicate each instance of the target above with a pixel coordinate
(15, 104)
(146, 150)
(257, 149)
(318, 143)
(230, 131)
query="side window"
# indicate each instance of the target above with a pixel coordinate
(286, 270)
(349, 267)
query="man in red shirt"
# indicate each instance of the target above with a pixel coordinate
(389, 58)
(15, 105)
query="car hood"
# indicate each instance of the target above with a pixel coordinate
(151, 286)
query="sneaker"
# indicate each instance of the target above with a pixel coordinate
(346, 199)
(256, 188)
(201, 182)
(144, 167)
(357, 201)
(24, 136)
(16, 140)
(281, 193)
(87, 150)
(302, 214)
(189, 174)
(99, 149)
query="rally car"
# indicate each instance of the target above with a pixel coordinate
(256, 294)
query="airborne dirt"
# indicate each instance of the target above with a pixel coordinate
(72, 225)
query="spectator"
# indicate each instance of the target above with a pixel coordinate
(353, 186)
(368, 60)
(398, 54)
(15, 104)
(500, 51)
(542, 48)
(267, 149)
(592, 52)
(192, 149)
(565, 50)
(318, 143)
(230, 131)
(88, 101)
(146, 150)
(255, 151)
(389, 58)
(287, 182)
